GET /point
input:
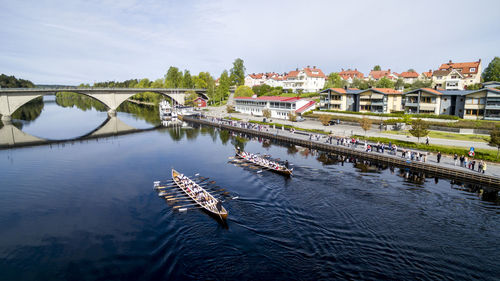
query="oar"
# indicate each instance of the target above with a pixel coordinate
(182, 206)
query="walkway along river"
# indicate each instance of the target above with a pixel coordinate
(490, 183)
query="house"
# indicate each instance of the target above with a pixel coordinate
(379, 74)
(349, 75)
(254, 79)
(380, 100)
(449, 79)
(307, 80)
(280, 107)
(426, 75)
(343, 99)
(200, 102)
(470, 71)
(468, 104)
(409, 77)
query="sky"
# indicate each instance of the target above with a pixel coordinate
(73, 42)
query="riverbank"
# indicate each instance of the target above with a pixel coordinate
(312, 125)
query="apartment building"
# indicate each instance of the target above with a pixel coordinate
(468, 104)
(306, 80)
(380, 100)
(343, 99)
(470, 71)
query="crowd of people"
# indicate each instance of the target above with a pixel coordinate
(392, 149)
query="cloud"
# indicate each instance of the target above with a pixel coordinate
(72, 42)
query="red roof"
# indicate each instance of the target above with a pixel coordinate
(293, 73)
(377, 74)
(463, 66)
(305, 107)
(341, 90)
(271, 98)
(409, 74)
(432, 91)
(346, 74)
(427, 74)
(387, 90)
(314, 72)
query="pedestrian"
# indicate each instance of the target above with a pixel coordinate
(427, 140)
(382, 148)
(462, 159)
(473, 164)
(484, 167)
(455, 159)
(466, 160)
(439, 156)
(480, 166)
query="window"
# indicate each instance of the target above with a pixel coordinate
(472, 69)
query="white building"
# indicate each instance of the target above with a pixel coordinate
(280, 107)
(448, 79)
(470, 71)
(307, 80)
(254, 79)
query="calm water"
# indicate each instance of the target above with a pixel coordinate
(87, 211)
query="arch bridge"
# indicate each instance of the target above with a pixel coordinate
(13, 98)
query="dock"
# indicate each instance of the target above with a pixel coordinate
(492, 183)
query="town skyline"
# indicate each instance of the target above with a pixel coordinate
(85, 42)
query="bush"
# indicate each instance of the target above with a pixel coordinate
(325, 119)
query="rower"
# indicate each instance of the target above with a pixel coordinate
(219, 206)
(286, 164)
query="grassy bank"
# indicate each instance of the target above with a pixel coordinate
(288, 127)
(445, 135)
(483, 154)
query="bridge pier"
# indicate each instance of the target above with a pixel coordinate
(112, 113)
(7, 119)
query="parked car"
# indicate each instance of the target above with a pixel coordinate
(300, 119)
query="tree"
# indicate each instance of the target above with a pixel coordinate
(262, 89)
(238, 72)
(359, 84)
(187, 81)
(377, 68)
(143, 83)
(335, 81)
(325, 119)
(384, 82)
(243, 91)
(292, 116)
(365, 123)
(223, 89)
(411, 70)
(13, 82)
(419, 129)
(173, 78)
(492, 72)
(421, 84)
(158, 83)
(266, 113)
(399, 83)
(495, 138)
(476, 86)
(190, 98)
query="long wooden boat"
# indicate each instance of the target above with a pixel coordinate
(209, 204)
(281, 170)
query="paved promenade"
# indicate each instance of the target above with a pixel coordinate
(493, 169)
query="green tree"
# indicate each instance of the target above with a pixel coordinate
(411, 70)
(158, 83)
(419, 129)
(143, 83)
(187, 81)
(492, 72)
(377, 68)
(384, 82)
(238, 72)
(399, 83)
(262, 90)
(365, 123)
(476, 86)
(335, 81)
(292, 116)
(243, 91)
(189, 99)
(173, 78)
(420, 84)
(495, 138)
(13, 82)
(222, 90)
(359, 84)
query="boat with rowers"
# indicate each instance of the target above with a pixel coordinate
(264, 163)
(199, 195)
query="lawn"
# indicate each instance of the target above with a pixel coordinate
(446, 135)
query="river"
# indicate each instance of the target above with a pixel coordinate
(86, 210)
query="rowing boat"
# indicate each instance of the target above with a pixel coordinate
(277, 168)
(209, 205)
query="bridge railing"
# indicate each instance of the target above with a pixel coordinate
(100, 89)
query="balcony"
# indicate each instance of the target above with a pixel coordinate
(411, 104)
(377, 103)
(492, 106)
